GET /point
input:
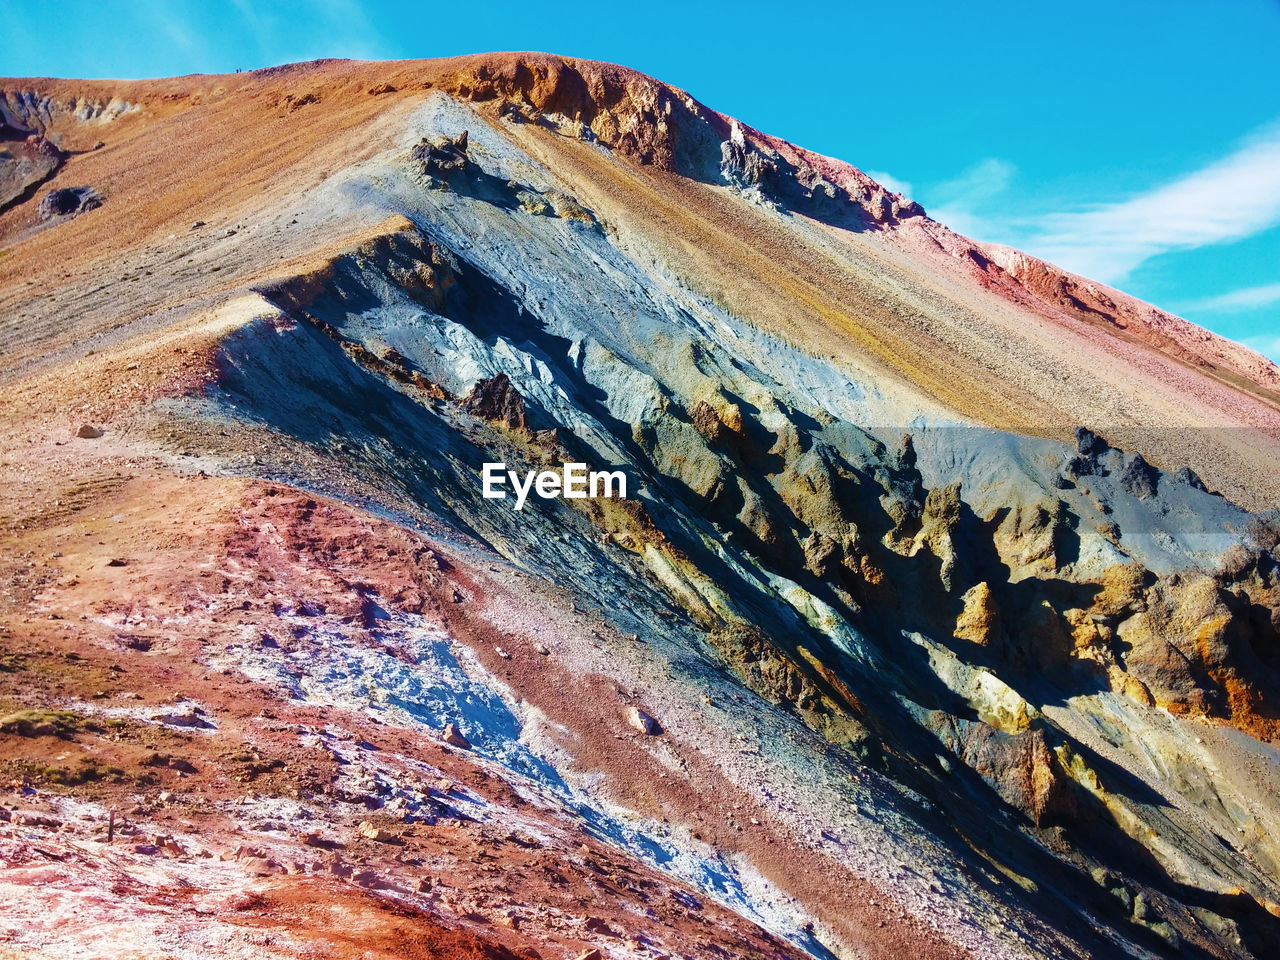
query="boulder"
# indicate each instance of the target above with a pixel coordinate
(88, 431)
(24, 165)
(370, 831)
(1139, 477)
(904, 209)
(68, 202)
(1021, 767)
(1089, 444)
(260, 866)
(444, 156)
(880, 207)
(453, 736)
(642, 722)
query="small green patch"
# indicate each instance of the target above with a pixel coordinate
(174, 763)
(86, 771)
(44, 723)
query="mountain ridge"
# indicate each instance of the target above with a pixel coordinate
(882, 339)
(946, 642)
(517, 63)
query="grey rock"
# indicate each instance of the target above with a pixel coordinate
(68, 202)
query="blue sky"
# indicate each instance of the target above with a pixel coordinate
(1136, 142)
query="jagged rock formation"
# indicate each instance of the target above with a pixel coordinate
(920, 631)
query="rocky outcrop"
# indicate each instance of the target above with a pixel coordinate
(642, 722)
(980, 621)
(1021, 767)
(800, 683)
(753, 166)
(24, 165)
(997, 658)
(442, 157)
(745, 165)
(496, 400)
(26, 111)
(627, 111)
(454, 738)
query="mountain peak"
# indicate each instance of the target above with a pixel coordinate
(500, 506)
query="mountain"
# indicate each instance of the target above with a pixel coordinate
(940, 618)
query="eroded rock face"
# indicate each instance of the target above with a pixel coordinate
(744, 165)
(980, 620)
(24, 165)
(1208, 644)
(865, 642)
(630, 113)
(842, 544)
(1021, 767)
(798, 185)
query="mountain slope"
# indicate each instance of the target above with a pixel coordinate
(947, 645)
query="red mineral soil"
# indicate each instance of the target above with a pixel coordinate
(130, 582)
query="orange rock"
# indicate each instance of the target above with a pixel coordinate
(453, 736)
(369, 830)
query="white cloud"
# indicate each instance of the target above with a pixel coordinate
(976, 186)
(890, 182)
(965, 203)
(1248, 298)
(348, 20)
(973, 225)
(175, 27)
(1233, 198)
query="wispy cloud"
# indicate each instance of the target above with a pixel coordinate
(979, 184)
(1248, 298)
(317, 28)
(1230, 199)
(174, 26)
(890, 182)
(349, 20)
(970, 202)
(1233, 198)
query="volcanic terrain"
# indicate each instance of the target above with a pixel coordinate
(942, 619)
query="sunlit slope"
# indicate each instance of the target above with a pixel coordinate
(947, 641)
(798, 244)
